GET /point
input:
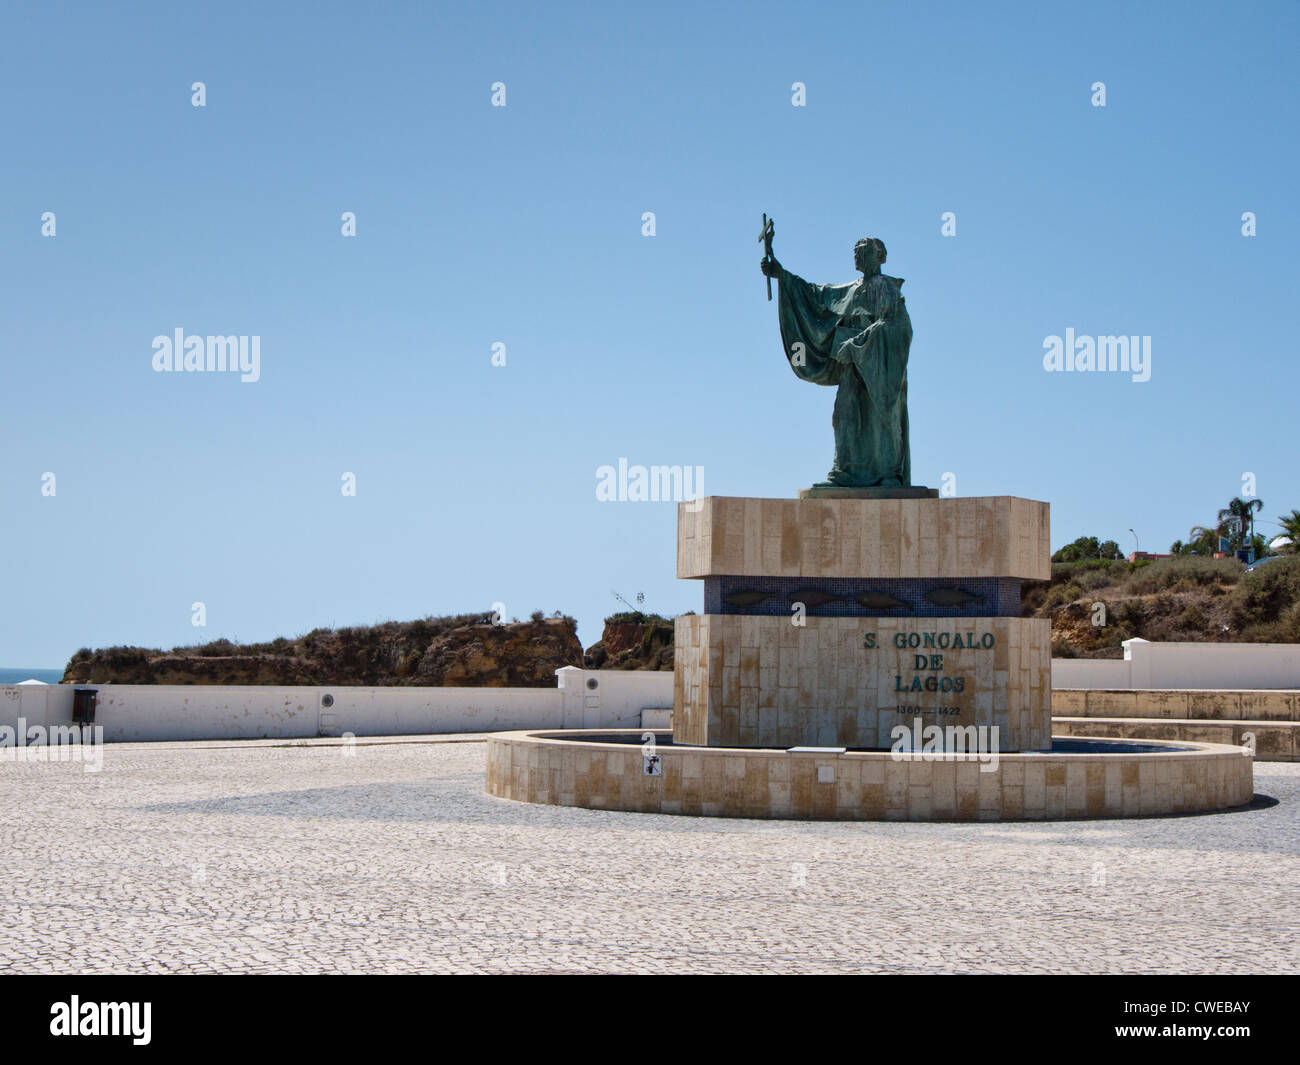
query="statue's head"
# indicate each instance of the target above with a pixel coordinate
(869, 254)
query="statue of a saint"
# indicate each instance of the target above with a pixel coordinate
(855, 336)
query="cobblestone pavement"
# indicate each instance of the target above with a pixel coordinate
(264, 857)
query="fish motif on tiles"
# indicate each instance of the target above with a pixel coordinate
(745, 599)
(880, 601)
(814, 598)
(957, 597)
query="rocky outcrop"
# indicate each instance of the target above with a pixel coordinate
(466, 650)
(633, 641)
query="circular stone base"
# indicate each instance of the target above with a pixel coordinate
(1093, 778)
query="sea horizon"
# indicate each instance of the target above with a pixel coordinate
(16, 675)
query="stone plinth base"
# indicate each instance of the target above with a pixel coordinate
(1085, 779)
(762, 681)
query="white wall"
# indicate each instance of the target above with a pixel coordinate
(229, 712)
(1236, 666)
(617, 697)
(36, 704)
(1090, 673)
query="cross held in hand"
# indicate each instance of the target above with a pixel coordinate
(765, 238)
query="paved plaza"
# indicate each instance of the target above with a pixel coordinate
(387, 856)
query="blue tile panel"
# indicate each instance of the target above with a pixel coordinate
(980, 597)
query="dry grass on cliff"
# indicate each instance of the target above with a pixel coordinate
(1186, 599)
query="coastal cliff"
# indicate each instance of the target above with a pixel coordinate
(465, 650)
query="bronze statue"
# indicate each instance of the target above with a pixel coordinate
(855, 336)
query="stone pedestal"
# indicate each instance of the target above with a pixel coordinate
(829, 626)
(828, 621)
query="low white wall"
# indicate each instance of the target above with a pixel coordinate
(612, 698)
(1233, 666)
(1090, 673)
(581, 699)
(35, 704)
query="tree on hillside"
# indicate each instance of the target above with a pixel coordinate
(1200, 541)
(1088, 547)
(1237, 521)
(1234, 523)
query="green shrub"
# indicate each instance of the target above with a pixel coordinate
(638, 618)
(1069, 570)
(1290, 624)
(1267, 596)
(1032, 594)
(1132, 613)
(1057, 596)
(1094, 579)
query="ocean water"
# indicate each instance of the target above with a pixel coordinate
(14, 676)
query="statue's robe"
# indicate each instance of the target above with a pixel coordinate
(855, 336)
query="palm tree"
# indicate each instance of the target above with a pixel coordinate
(1202, 541)
(1291, 528)
(1235, 516)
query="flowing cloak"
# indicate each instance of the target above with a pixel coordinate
(855, 336)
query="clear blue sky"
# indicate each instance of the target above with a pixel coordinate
(522, 225)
